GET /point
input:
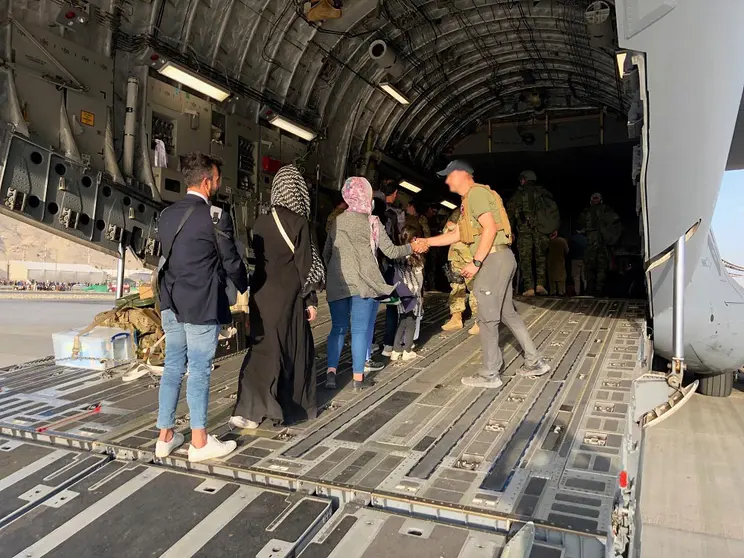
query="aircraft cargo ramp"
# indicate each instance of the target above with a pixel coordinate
(417, 463)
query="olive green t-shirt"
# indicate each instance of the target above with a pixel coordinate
(480, 201)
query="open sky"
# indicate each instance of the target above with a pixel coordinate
(728, 219)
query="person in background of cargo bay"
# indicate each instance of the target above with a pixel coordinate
(434, 257)
(338, 210)
(393, 222)
(577, 248)
(484, 227)
(278, 378)
(416, 220)
(193, 303)
(459, 256)
(603, 229)
(557, 252)
(354, 278)
(535, 215)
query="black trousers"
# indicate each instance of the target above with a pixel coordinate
(406, 331)
(391, 325)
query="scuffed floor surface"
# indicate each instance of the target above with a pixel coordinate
(545, 449)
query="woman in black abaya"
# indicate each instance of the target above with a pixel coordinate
(277, 379)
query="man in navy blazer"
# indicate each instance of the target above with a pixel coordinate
(194, 303)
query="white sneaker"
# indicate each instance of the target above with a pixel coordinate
(214, 449)
(409, 355)
(164, 449)
(243, 423)
(387, 350)
(394, 356)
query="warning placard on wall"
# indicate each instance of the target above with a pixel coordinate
(87, 118)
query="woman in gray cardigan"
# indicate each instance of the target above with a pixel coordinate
(354, 281)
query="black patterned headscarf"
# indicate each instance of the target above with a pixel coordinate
(289, 190)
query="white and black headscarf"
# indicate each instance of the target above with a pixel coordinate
(289, 190)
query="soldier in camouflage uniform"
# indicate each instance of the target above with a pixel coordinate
(459, 256)
(602, 228)
(531, 242)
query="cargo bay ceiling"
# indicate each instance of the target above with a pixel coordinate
(459, 62)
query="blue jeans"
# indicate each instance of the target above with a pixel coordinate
(197, 343)
(372, 322)
(355, 310)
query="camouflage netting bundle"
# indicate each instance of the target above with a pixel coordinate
(140, 318)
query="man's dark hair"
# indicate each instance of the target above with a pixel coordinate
(422, 208)
(337, 199)
(196, 166)
(389, 187)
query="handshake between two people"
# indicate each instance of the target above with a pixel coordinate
(420, 245)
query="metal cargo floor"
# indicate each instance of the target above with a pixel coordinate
(418, 442)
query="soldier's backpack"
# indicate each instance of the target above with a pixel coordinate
(610, 227)
(547, 216)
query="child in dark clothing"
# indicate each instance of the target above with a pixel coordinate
(409, 276)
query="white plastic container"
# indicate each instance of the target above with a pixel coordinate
(100, 349)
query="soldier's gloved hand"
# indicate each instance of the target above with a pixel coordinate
(469, 271)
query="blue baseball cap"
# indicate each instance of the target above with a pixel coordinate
(457, 165)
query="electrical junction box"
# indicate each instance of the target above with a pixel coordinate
(169, 183)
(180, 120)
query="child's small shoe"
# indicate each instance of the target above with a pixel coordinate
(395, 356)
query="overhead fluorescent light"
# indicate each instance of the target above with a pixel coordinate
(292, 127)
(394, 93)
(410, 187)
(190, 79)
(448, 205)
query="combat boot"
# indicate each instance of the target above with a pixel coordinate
(541, 290)
(455, 322)
(529, 292)
(475, 330)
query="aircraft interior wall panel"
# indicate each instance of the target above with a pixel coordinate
(92, 69)
(195, 125)
(241, 155)
(584, 131)
(161, 94)
(41, 103)
(89, 115)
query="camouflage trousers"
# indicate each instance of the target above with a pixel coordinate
(459, 296)
(596, 264)
(533, 255)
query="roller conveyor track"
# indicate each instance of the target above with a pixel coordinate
(546, 449)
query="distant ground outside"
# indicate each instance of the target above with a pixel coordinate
(26, 326)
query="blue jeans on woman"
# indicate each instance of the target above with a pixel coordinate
(198, 344)
(354, 311)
